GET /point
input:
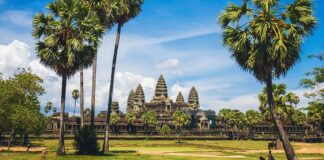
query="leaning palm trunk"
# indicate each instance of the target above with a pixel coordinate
(290, 153)
(61, 147)
(81, 98)
(105, 148)
(93, 89)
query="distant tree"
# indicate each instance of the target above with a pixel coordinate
(20, 111)
(64, 43)
(315, 109)
(75, 96)
(114, 120)
(130, 118)
(283, 108)
(149, 119)
(265, 38)
(180, 119)
(123, 11)
(227, 118)
(48, 107)
(165, 130)
(252, 117)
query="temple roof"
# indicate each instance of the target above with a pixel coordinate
(180, 98)
(161, 87)
(139, 94)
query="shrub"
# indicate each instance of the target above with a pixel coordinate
(86, 142)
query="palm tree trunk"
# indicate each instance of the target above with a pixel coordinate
(105, 148)
(61, 147)
(81, 98)
(289, 150)
(93, 89)
(74, 107)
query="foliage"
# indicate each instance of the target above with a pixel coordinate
(20, 111)
(130, 117)
(314, 82)
(75, 94)
(48, 107)
(165, 130)
(149, 118)
(252, 117)
(86, 142)
(180, 119)
(114, 118)
(64, 36)
(269, 42)
(54, 109)
(283, 103)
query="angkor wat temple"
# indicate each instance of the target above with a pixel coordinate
(203, 122)
(161, 104)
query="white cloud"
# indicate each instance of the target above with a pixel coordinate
(13, 55)
(169, 63)
(17, 17)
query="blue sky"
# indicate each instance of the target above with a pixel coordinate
(180, 39)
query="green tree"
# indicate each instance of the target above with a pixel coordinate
(130, 118)
(252, 117)
(283, 103)
(124, 10)
(64, 37)
(48, 107)
(75, 96)
(315, 108)
(165, 130)
(149, 119)
(265, 38)
(180, 119)
(227, 118)
(20, 111)
(114, 120)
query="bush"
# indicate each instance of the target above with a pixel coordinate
(86, 142)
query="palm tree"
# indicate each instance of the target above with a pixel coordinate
(103, 9)
(48, 107)
(180, 119)
(81, 98)
(124, 10)
(63, 44)
(267, 43)
(130, 118)
(75, 96)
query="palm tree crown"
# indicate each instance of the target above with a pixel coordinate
(65, 35)
(266, 37)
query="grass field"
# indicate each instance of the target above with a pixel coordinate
(159, 149)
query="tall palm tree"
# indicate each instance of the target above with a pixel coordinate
(267, 42)
(81, 98)
(64, 37)
(75, 96)
(123, 11)
(103, 9)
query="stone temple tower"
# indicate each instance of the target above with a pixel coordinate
(139, 99)
(193, 99)
(180, 98)
(161, 90)
(130, 101)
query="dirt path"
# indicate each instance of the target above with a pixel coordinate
(198, 154)
(24, 149)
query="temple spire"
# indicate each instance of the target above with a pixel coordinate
(193, 98)
(161, 88)
(130, 100)
(139, 94)
(180, 98)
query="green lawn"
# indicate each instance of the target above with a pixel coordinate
(166, 149)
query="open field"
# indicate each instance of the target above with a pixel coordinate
(156, 150)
